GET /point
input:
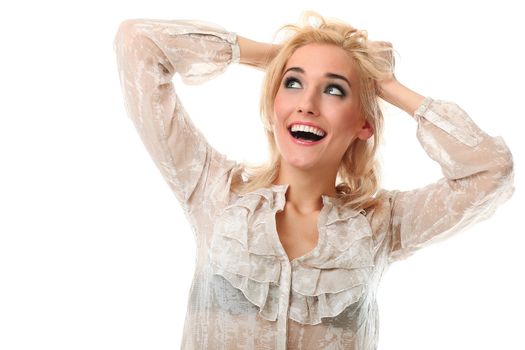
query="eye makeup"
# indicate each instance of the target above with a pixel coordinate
(291, 79)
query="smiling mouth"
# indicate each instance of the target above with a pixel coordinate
(305, 135)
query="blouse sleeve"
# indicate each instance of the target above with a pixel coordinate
(149, 52)
(478, 176)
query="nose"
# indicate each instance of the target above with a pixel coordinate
(308, 104)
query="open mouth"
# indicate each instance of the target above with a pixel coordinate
(306, 134)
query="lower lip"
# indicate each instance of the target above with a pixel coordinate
(305, 143)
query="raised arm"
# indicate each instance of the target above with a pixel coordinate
(477, 169)
(149, 52)
(256, 54)
(478, 176)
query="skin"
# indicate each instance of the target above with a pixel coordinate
(307, 94)
(305, 192)
(311, 171)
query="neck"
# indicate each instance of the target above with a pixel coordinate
(306, 186)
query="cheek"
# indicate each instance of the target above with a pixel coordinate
(284, 104)
(342, 123)
(344, 129)
(279, 139)
(279, 132)
(279, 107)
(348, 119)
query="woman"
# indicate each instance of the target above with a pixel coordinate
(290, 254)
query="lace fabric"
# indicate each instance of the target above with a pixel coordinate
(246, 294)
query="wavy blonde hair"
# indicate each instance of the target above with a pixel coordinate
(358, 172)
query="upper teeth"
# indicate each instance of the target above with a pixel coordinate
(306, 128)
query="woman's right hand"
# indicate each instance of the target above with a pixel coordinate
(256, 54)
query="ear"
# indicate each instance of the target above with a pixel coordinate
(365, 132)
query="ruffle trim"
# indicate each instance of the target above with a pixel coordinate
(325, 281)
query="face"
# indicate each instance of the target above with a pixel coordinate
(316, 109)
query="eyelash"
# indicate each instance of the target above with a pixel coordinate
(338, 87)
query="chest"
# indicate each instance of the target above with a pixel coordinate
(297, 232)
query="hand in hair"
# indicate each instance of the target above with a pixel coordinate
(384, 52)
(389, 88)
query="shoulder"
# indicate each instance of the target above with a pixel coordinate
(379, 216)
(384, 199)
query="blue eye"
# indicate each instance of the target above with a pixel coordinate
(332, 89)
(338, 91)
(289, 81)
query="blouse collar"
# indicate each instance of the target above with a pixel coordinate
(280, 190)
(334, 207)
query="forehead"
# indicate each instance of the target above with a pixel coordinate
(322, 58)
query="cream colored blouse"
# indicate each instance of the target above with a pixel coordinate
(246, 294)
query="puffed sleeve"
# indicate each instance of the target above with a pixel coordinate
(478, 176)
(149, 52)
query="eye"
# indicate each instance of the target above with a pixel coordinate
(333, 89)
(292, 83)
(336, 90)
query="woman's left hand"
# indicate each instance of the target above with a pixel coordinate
(389, 88)
(385, 53)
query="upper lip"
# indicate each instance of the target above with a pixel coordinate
(308, 124)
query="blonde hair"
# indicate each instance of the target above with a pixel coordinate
(359, 169)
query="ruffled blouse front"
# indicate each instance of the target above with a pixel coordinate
(246, 293)
(246, 251)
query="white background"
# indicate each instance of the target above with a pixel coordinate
(95, 252)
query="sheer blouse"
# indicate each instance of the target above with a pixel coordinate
(246, 293)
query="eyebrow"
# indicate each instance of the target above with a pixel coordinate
(328, 75)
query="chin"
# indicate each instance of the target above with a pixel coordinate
(302, 164)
